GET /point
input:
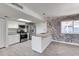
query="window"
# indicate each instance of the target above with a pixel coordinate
(76, 26)
(70, 26)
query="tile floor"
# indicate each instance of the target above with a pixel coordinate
(54, 49)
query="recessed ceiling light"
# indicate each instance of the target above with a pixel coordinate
(24, 20)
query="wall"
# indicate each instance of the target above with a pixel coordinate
(54, 27)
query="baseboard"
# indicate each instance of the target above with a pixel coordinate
(75, 44)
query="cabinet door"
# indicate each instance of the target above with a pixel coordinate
(41, 27)
(2, 33)
(12, 39)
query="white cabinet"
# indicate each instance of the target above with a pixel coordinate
(12, 24)
(12, 39)
(36, 43)
(46, 41)
(2, 32)
(41, 27)
(39, 44)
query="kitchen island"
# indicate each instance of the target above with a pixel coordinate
(40, 42)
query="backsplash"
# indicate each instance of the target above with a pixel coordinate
(12, 31)
(54, 27)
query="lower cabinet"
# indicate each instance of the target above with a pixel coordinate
(12, 39)
(45, 42)
(39, 44)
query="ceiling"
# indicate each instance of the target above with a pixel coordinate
(14, 14)
(8, 11)
(11, 13)
(42, 9)
(54, 9)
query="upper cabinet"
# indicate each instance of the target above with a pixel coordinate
(12, 24)
(41, 27)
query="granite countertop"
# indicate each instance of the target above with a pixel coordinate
(12, 33)
(42, 35)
